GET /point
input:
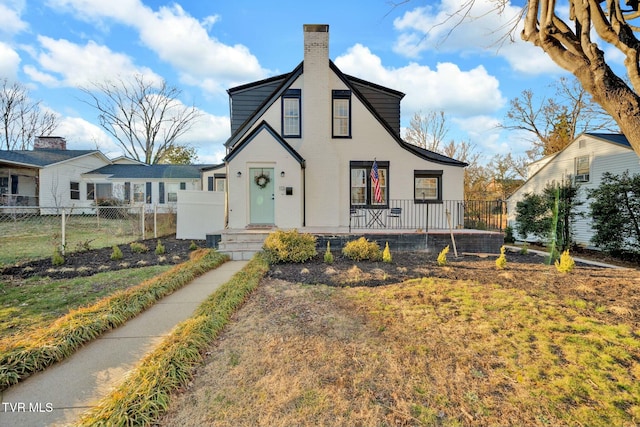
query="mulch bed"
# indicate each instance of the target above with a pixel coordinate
(87, 263)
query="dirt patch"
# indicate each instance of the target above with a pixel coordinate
(615, 291)
(90, 262)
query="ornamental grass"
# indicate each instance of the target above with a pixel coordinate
(45, 346)
(145, 394)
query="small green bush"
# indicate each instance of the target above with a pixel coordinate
(57, 258)
(501, 261)
(138, 248)
(442, 256)
(524, 250)
(160, 249)
(386, 254)
(328, 256)
(508, 235)
(289, 246)
(116, 253)
(566, 263)
(193, 246)
(362, 249)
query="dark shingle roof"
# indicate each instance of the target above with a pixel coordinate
(150, 171)
(41, 157)
(616, 138)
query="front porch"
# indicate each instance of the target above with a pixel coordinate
(244, 243)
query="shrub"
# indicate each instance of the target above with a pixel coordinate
(442, 256)
(138, 248)
(524, 249)
(508, 235)
(289, 246)
(193, 246)
(362, 249)
(160, 249)
(328, 256)
(57, 258)
(501, 261)
(566, 263)
(386, 254)
(116, 253)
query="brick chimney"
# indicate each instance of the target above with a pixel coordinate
(50, 143)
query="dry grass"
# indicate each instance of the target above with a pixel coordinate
(425, 352)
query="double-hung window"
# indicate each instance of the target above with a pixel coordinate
(341, 111)
(138, 193)
(363, 185)
(75, 191)
(582, 169)
(427, 186)
(291, 123)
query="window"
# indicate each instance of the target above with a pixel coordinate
(210, 183)
(138, 193)
(341, 113)
(362, 188)
(104, 191)
(161, 193)
(183, 185)
(149, 192)
(291, 114)
(75, 191)
(91, 191)
(220, 181)
(172, 192)
(427, 186)
(4, 184)
(582, 169)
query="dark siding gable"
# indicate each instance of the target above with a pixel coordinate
(245, 100)
(385, 103)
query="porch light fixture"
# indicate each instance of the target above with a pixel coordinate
(239, 174)
(282, 174)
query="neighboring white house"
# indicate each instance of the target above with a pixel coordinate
(582, 162)
(303, 145)
(51, 176)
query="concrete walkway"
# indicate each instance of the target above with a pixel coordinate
(58, 395)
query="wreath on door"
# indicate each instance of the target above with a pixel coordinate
(262, 180)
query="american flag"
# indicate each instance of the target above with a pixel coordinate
(375, 182)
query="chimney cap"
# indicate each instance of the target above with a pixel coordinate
(316, 28)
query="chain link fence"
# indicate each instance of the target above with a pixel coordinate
(35, 232)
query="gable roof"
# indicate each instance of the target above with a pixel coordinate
(129, 171)
(44, 157)
(612, 138)
(356, 86)
(265, 126)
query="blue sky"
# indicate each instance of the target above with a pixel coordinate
(205, 47)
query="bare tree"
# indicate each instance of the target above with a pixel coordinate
(428, 130)
(553, 123)
(22, 118)
(146, 119)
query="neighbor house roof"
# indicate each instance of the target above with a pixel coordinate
(616, 138)
(124, 171)
(43, 157)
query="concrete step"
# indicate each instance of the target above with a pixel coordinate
(241, 244)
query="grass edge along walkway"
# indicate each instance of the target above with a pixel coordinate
(145, 394)
(63, 337)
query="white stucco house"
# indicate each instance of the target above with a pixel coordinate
(582, 162)
(303, 145)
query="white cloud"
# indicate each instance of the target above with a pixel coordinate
(178, 39)
(64, 63)
(483, 31)
(83, 135)
(446, 88)
(10, 20)
(9, 61)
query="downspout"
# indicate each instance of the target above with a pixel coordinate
(304, 193)
(226, 196)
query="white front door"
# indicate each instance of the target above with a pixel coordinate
(262, 201)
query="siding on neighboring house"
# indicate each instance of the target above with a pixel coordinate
(55, 181)
(604, 156)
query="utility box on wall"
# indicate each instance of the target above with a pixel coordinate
(289, 191)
